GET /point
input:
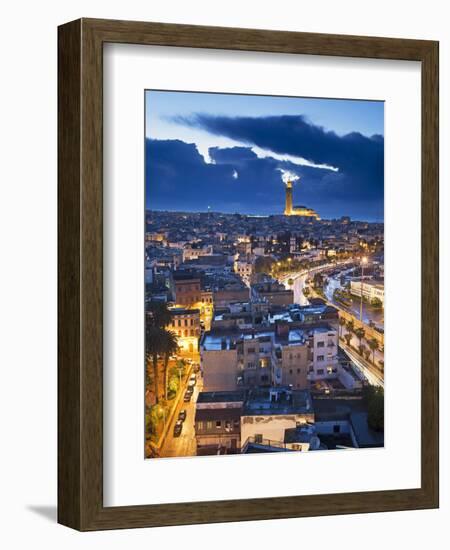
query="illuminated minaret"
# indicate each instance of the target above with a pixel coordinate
(288, 207)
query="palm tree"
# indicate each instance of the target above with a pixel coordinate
(373, 345)
(169, 345)
(350, 326)
(341, 324)
(158, 315)
(360, 333)
(348, 338)
(153, 348)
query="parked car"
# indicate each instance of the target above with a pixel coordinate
(182, 415)
(187, 396)
(178, 428)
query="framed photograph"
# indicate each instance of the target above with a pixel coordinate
(248, 274)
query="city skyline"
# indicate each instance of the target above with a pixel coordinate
(227, 153)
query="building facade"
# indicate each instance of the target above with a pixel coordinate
(186, 288)
(185, 324)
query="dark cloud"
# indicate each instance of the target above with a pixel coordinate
(360, 159)
(178, 178)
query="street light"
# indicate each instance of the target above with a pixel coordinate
(363, 263)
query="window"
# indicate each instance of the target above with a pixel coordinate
(186, 332)
(185, 322)
(251, 350)
(290, 371)
(218, 424)
(179, 322)
(200, 425)
(320, 357)
(329, 370)
(298, 371)
(258, 438)
(209, 425)
(320, 344)
(319, 371)
(336, 429)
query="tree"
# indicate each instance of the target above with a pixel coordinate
(348, 338)
(350, 326)
(360, 333)
(373, 345)
(263, 264)
(153, 348)
(169, 345)
(341, 324)
(318, 280)
(374, 400)
(158, 314)
(376, 303)
(375, 417)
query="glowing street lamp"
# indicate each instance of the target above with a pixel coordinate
(363, 263)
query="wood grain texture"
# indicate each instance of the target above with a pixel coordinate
(69, 248)
(80, 241)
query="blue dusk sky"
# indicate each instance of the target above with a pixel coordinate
(230, 152)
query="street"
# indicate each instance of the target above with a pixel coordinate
(368, 313)
(185, 444)
(372, 374)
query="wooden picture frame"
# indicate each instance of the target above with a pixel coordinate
(80, 272)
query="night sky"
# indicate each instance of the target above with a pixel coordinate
(227, 151)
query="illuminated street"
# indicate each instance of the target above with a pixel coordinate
(183, 445)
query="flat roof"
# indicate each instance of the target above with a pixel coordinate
(224, 413)
(183, 311)
(261, 402)
(221, 396)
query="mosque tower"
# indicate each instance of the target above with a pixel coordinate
(291, 210)
(288, 206)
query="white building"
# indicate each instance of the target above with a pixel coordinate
(370, 290)
(323, 344)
